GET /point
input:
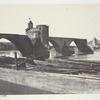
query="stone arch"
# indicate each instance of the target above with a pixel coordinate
(22, 43)
(66, 49)
(13, 44)
(55, 45)
(7, 45)
(74, 46)
(54, 50)
(82, 46)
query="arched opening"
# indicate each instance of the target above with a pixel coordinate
(74, 47)
(53, 49)
(7, 49)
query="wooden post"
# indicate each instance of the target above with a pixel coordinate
(15, 54)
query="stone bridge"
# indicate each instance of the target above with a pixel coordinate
(59, 43)
(27, 47)
(24, 44)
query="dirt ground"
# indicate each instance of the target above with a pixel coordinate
(9, 88)
(38, 80)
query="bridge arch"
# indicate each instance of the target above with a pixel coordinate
(6, 45)
(22, 43)
(74, 46)
(55, 45)
(54, 49)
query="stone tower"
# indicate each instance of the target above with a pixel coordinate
(40, 31)
(30, 25)
(39, 38)
(44, 34)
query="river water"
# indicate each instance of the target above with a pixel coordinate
(10, 53)
(93, 57)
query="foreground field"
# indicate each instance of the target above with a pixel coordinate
(36, 80)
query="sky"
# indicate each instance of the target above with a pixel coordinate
(64, 20)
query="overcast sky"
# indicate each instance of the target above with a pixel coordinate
(77, 21)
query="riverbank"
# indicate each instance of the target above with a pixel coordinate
(50, 82)
(62, 66)
(47, 78)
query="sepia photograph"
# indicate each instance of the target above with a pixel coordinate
(48, 49)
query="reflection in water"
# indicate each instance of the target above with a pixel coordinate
(95, 56)
(10, 53)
